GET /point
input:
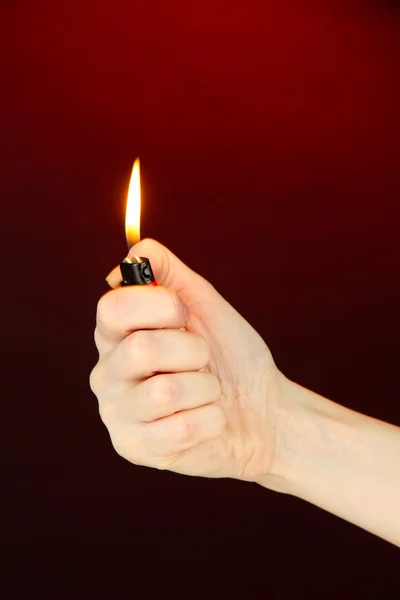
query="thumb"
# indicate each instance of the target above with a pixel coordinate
(212, 313)
(167, 268)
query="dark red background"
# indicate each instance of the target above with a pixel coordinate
(269, 139)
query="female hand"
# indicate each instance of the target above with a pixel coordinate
(183, 381)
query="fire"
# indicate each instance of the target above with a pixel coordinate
(132, 215)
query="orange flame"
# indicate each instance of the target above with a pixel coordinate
(132, 215)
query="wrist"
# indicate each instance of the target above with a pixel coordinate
(342, 461)
(300, 435)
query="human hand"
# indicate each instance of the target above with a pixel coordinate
(184, 383)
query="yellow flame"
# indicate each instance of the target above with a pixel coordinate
(132, 215)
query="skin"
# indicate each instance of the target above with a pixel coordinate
(184, 383)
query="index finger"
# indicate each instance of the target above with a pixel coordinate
(128, 309)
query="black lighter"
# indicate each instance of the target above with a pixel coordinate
(137, 271)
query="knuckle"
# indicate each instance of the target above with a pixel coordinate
(97, 338)
(126, 444)
(140, 348)
(165, 392)
(105, 313)
(183, 428)
(120, 445)
(95, 380)
(106, 412)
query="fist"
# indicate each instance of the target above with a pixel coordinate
(183, 381)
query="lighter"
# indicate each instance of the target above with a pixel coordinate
(135, 270)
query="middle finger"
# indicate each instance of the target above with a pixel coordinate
(146, 352)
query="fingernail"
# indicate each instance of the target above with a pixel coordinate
(111, 276)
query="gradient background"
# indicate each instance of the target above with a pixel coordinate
(269, 138)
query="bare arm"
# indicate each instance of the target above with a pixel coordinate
(340, 460)
(185, 383)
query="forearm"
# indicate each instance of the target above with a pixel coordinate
(341, 461)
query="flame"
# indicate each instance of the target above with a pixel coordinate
(132, 215)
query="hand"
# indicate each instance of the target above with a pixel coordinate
(184, 383)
